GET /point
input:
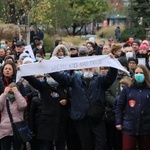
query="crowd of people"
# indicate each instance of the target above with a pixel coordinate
(99, 108)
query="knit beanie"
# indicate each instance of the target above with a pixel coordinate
(137, 42)
(144, 47)
(145, 42)
(123, 61)
(133, 59)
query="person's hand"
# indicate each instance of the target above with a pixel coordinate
(63, 102)
(41, 59)
(14, 89)
(7, 89)
(111, 55)
(119, 127)
(19, 62)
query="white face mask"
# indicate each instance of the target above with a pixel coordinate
(129, 54)
(39, 47)
(51, 82)
(88, 75)
(121, 88)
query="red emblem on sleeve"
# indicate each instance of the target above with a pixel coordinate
(132, 103)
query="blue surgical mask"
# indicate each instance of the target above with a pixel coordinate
(139, 77)
(11, 96)
(88, 75)
(37, 58)
(78, 72)
(42, 80)
(3, 46)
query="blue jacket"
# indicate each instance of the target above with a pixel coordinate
(133, 110)
(82, 94)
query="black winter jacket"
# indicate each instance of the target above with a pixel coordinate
(54, 116)
(82, 96)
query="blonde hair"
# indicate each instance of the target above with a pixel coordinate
(126, 80)
(115, 47)
(13, 84)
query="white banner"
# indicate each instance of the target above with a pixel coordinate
(28, 50)
(49, 66)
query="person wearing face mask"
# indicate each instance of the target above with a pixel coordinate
(39, 55)
(129, 52)
(133, 111)
(3, 44)
(111, 93)
(114, 138)
(38, 46)
(17, 105)
(52, 124)
(87, 107)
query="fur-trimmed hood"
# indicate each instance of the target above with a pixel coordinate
(61, 46)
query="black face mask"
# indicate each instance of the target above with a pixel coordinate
(74, 55)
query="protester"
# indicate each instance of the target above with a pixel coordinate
(17, 104)
(90, 46)
(133, 111)
(9, 75)
(125, 81)
(19, 48)
(74, 51)
(97, 48)
(60, 52)
(88, 90)
(116, 50)
(52, 125)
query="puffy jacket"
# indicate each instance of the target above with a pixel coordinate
(133, 110)
(81, 95)
(17, 110)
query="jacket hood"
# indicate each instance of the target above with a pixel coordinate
(61, 46)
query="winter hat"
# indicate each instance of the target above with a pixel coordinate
(144, 47)
(102, 40)
(128, 42)
(74, 47)
(20, 43)
(83, 51)
(92, 39)
(110, 38)
(145, 42)
(27, 59)
(133, 59)
(137, 42)
(123, 61)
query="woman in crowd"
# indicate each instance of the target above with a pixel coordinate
(17, 104)
(9, 75)
(90, 46)
(52, 124)
(133, 111)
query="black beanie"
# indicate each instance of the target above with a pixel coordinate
(133, 59)
(123, 61)
(137, 42)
